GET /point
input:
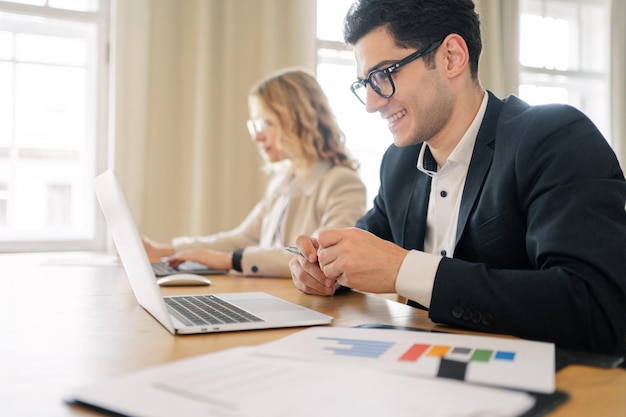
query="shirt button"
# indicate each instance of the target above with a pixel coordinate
(255, 269)
(444, 252)
(444, 194)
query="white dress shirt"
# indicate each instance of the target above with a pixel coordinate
(442, 219)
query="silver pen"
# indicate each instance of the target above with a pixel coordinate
(294, 250)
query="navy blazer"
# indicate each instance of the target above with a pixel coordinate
(541, 238)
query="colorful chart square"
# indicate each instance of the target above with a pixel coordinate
(504, 356)
(438, 351)
(481, 355)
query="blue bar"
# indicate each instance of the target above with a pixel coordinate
(356, 347)
(504, 356)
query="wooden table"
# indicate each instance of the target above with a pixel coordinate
(82, 324)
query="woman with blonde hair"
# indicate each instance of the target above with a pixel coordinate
(313, 182)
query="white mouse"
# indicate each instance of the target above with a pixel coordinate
(183, 279)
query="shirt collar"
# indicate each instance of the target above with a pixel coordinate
(462, 153)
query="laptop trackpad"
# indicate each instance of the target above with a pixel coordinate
(270, 305)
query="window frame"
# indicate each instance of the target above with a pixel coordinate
(581, 84)
(97, 145)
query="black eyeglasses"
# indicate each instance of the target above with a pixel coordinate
(380, 79)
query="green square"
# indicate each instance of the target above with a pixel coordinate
(481, 355)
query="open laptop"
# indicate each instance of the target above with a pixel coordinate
(194, 313)
(162, 269)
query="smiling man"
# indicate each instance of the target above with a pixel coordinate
(491, 214)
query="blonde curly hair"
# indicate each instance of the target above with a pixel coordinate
(308, 129)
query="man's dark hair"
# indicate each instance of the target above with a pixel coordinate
(417, 23)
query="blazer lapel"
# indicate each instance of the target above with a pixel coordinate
(480, 162)
(417, 210)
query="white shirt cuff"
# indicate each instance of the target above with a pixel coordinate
(416, 277)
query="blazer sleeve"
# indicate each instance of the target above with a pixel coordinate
(244, 235)
(337, 200)
(375, 220)
(400, 207)
(340, 201)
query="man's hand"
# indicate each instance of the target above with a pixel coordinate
(351, 257)
(305, 271)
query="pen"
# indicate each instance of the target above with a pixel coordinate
(294, 249)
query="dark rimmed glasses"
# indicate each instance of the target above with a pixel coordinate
(380, 79)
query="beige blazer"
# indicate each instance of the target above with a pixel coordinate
(328, 197)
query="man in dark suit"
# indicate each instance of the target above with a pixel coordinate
(492, 214)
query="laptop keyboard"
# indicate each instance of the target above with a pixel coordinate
(162, 268)
(208, 309)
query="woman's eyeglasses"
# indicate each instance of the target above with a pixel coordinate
(256, 126)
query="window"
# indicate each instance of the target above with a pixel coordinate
(367, 135)
(59, 205)
(3, 204)
(53, 73)
(564, 53)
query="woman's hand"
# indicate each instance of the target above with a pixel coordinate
(211, 258)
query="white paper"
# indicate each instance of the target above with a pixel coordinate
(240, 383)
(500, 362)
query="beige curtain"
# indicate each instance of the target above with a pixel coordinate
(618, 79)
(183, 69)
(499, 68)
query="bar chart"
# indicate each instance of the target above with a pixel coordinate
(376, 348)
(508, 362)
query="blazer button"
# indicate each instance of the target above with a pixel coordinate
(457, 312)
(468, 314)
(478, 316)
(487, 319)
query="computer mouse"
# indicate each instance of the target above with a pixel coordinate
(183, 280)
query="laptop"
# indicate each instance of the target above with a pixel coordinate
(190, 314)
(162, 269)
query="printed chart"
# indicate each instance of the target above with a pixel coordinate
(503, 362)
(453, 360)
